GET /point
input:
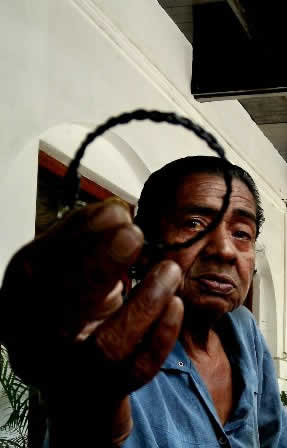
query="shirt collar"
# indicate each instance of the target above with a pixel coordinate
(177, 360)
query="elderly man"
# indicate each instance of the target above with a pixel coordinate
(181, 362)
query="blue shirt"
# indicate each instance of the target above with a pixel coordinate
(175, 409)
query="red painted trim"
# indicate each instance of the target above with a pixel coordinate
(58, 168)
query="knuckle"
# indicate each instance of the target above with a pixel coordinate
(141, 308)
(107, 341)
(153, 297)
(107, 215)
(126, 241)
(165, 277)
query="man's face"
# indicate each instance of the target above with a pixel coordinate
(218, 269)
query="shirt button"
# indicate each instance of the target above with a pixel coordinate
(222, 440)
(180, 363)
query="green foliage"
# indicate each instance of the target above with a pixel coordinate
(14, 433)
(17, 442)
(283, 397)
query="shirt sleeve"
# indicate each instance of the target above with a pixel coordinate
(283, 435)
(272, 416)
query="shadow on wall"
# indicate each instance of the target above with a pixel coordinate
(140, 170)
(264, 300)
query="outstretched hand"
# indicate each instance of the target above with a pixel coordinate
(66, 326)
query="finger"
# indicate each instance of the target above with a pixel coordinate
(118, 336)
(157, 346)
(95, 274)
(116, 249)
(108, 214)
(95, 217)
(106, 242)
(93, 316)
(96, 271)
(90, 258)
(81, 224)
(72, 239)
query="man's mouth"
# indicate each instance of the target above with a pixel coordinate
(217, 283)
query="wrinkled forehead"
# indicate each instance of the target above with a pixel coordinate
(209, 189)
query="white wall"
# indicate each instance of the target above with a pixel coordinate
(18, 203)
(82, 61)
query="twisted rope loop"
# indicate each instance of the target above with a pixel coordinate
(72, 178)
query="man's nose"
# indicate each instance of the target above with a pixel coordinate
(220, 244)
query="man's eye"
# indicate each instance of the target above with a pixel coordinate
(195, 224)
(240, 234)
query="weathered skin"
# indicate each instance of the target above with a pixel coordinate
(65, 286)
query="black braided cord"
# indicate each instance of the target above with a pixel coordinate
(72, 178)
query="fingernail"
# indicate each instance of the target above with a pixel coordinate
(126, 241)
(110, 216)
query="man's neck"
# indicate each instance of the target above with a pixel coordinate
(198, 336)
(204, 346)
